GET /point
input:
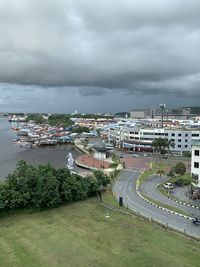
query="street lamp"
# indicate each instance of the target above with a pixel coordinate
(162, 107)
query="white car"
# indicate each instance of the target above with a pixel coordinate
(168, 186)
(135, 155)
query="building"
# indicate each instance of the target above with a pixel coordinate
(100, 153)
(141, 138)
(179, 113)
(139, 114)
(195, 164)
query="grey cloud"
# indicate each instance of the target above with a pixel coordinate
(97, 46)
(96, 91)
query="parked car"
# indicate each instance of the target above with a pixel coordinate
(135, 155)
(168, 186)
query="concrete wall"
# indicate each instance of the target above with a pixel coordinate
(99, 155)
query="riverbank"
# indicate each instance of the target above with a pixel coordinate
(10, 153)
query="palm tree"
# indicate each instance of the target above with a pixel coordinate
(162, 145)
(160, 172)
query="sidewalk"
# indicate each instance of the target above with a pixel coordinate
(92, 163)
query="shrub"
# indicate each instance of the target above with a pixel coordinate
(180, 168)
(44, 186)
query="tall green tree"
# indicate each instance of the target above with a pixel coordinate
(180, 168)
(160, 172)
(101, 178)
(75, 188)
(162, 145)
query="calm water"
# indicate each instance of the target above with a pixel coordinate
(10, 153)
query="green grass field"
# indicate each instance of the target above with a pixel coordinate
(79, 234)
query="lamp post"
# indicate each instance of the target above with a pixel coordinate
(162, 107)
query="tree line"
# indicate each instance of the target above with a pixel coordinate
(45, 186)
(53, 120)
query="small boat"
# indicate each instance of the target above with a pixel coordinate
(48, 142)
(16, 141)
(15, 128)
(25, 144)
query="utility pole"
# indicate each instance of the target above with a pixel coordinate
(162, 107)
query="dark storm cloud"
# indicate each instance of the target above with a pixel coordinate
(140, 46)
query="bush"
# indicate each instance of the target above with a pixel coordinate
(187, 154)
(180, 168)
(44, 186)
(171, 173)
(183, 181)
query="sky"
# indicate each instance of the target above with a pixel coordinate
(98, 56)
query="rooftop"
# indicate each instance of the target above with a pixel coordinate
(101, 149)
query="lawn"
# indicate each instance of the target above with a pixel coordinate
(79, 234)
(145, 175)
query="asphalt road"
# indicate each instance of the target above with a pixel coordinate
(149, 189)
(125, 186)
(181, 193)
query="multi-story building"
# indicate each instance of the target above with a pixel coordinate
(195, 164)
(178, 113)
(139, 113)
(138, 138)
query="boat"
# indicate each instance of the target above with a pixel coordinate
(25, 144)
(16, 141)
(48, 142)
(64, 139)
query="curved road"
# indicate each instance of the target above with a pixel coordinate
(149, 189)
(125, 187)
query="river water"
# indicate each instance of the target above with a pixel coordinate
(11, 153)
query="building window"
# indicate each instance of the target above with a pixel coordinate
(148, 133)
(179, 140)
(186, 140)
(179, 145)
(196, 165)
(179, 134)
(195, 135)
(159, 133)
(186, 135)
(173, 134)
(186, 146)
(196, 152)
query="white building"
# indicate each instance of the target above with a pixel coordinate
(138, 138)
(100, 153)
(195, 164)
